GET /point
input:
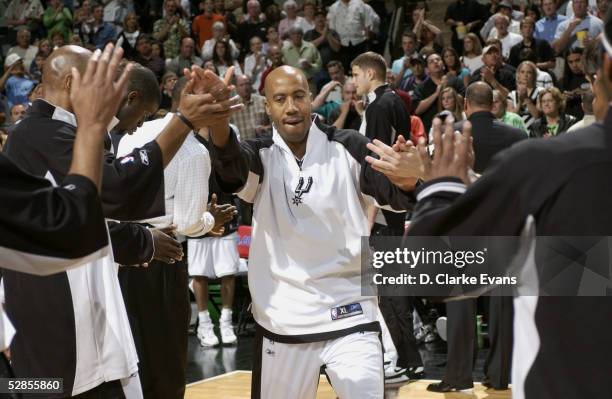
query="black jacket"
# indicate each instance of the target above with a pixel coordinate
(490, 137)
(539, 126)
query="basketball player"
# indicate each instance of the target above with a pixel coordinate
(310, 187)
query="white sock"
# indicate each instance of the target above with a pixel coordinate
(226, 314)
(204, 317)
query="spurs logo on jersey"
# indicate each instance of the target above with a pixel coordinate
(301, 190)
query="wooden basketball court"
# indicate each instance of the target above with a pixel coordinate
(237, 385)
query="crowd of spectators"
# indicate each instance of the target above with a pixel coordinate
(529, 52)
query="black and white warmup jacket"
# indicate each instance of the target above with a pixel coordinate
(46, 230)
(556, 187)
(74, 325)
(308, 220)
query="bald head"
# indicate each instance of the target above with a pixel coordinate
(59, 64)
(280, 76)
(480, 95)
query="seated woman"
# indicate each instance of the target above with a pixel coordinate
(472, 52)
(554, 120)
(223, 58)
(454, 67)
(522, 101)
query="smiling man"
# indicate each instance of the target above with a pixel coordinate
(311, 188)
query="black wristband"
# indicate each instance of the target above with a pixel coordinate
(186, 121)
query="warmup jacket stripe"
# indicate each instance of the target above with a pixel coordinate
(308, 220)
(563, 346)
(76, 320)
(42, 229)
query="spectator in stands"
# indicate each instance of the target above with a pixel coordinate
(275, 56)
(82, 14)
(36, 66)
(157, 48)
(574, 82)
(186, 57)
(546, 27)
(256, 62)
(453, 65)
(417, 65)
(301, 54)
(428, 35)
(472, 52)
(489, 30)
(326, 40)
(170, 29)
(115, 12)
(588, 98)
(223, 59)
(401, 66)
(24, 14)
(493, 73)
(554, 120)
(253, 24)
(330, 95)
(292, 19)
(18, 112)
(309, 11)
(58, 18)
(545, 55)
(348, 114)
(450, 100)
(14, 82)
(44, 47)
(24, 49)
(252, 120)
(219, 33)
(167, 85)
(462, 17)
(353, 22)
(502, 114)
(577, 31)
(426, 95)
(273, 15)
(523, 100)
(544, 78)
(507, 38)
(273, 38)
(392, 82)
(146, 57)
(602, 9)
(97, 33)
(57, 39)
(129, 35)
(202, 26)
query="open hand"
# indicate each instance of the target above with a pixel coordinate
(403, 167)
(222, 214)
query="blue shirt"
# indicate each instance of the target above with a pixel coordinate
(17, 90)
(396, 68)
(104, 35)
(593, 25)
(546, 27)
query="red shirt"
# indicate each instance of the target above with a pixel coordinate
(202, 27)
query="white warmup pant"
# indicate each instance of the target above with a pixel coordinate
(353, 363)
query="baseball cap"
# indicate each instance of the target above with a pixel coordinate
(11, 59)
(420, 59)
(505, 3)
(489, 48)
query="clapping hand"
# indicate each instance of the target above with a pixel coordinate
(222, 214)
(400, 163)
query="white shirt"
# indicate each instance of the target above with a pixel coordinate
(185, 180)
(255, 74)
(209, 47)
(351, 21)
(28, 55)
(508, 42)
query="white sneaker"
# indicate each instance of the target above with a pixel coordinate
(227, 332)
(206, 335)
(395, 375)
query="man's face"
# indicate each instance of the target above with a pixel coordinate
(134, 112)
(491, 58)
(170, 7)
(18, 113)
(434, 64)
(253, 9)
(408, 45)
(291, 11)
(23, 38)
(506, 11)
(98, 13)
(336, 74)
(361, 80)
(296, 39)
(320, 21)
(349, 92)
(573, 61)
(549, 8)
(187, 48)
(497, 109)
(580, 8)
(243, 87)
(391, 78)
(527, 29)
(144, 47)
(256, 45)
(502, 25)
(275, 56)
(272, 34)
(18, 69)
(209, 6)
(289, 105)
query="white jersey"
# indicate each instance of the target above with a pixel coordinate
(309, 218)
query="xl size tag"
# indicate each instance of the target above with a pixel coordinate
(342, 312)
